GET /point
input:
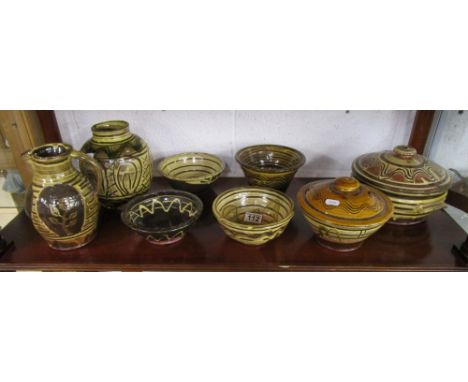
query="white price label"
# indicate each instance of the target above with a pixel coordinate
(332, 202)
(251, 217)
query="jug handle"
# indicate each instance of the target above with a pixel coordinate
(26, 156)
(87, 162)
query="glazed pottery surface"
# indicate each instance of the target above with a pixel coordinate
(342, 212)
(270, 165)
(62, 202)
(416, 185)
(164, 216)
(191, 171)
(253, 215)
(125, 162)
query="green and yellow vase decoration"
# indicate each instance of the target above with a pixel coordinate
(125, 162)
(63, 202)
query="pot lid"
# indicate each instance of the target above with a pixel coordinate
(345, 201)
(402, 171)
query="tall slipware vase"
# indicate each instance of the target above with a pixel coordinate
(63, 202)
(125, 162)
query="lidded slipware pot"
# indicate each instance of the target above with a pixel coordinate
(416, 185)
(342, 212)
(62, 202)
(125, 162)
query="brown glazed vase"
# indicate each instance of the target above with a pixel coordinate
(125, 162)
(62, 202)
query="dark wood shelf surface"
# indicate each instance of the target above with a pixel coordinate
(458, 195)
(423, 247)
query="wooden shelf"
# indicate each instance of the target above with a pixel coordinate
(458, 196)
(423, 247)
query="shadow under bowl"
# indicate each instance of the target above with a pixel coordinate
(162, 217)
(192, 172)
(253, 215)
(270, 165)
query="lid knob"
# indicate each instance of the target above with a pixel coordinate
(346, 184)
(405, 152)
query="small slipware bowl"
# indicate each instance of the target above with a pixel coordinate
(253, 215)
(271, 166)
(192, 172)
(162, 217)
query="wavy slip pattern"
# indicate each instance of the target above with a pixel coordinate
(392, 175)
(359, 213)
(424, 175)
(174, 212)
(347, 205)
(157, 203)
(363, 209)
(400, 195)
(411, 189)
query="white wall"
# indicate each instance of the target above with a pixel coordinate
(330, 140)
(449, 146)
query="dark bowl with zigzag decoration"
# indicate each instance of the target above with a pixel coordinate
(162, 217)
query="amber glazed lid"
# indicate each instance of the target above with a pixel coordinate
(402, 172)
(345, 202)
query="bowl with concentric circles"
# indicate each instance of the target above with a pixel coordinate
(194, 171)
(269, 165)
(253, 215)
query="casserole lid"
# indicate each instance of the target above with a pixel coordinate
(402, 172)
(346, 202)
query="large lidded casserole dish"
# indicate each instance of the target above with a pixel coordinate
(416, 185)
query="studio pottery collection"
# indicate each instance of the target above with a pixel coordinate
(115, 171)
